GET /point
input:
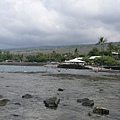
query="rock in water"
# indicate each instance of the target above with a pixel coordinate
(101, 110)
(52, 102)
(60, 89)
(86, 102)
(17, 104)
(27, 96)
(4, 102)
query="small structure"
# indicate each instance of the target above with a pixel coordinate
(114, 53)
(76, 63)
(10, 60)
(93, 57)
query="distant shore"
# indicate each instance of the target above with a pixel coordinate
(106, 68)
(23, 63)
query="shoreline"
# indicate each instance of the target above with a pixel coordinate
(104, 69)
(23, 63)
(94, 77)
(55, 66)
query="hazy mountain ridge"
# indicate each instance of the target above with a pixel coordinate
(82, 49)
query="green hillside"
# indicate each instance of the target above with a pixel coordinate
(82, 49)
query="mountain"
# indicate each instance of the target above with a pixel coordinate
(84, 48)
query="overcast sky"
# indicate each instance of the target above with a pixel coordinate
(30, 23)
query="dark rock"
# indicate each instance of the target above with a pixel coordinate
(4, 102)
(101, 110)
(82, 100)
(17, 104)
(60, 89)
(52, 102)
(27, 96)
(101, 90)
(88, 103)
(15, 115)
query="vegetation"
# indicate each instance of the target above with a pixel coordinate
(94, 52)
(6, 55)
(102, 41)
(107, 56)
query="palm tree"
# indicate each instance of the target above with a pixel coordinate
(110, 46)
(76, 51)
(101, 42)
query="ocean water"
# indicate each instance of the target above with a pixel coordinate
(44, 69)
(44, 82)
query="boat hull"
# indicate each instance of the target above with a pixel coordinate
(72, 66)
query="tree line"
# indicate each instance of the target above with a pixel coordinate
(107, 57)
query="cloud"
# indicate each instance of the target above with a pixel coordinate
(27, 23)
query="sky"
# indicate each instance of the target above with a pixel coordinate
(31, 23)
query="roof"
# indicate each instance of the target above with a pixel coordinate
(115, 53)
(93, 57)
(76, 60)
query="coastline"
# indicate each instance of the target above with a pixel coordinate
(23, 63)
(56, 65)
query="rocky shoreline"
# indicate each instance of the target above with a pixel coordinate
(89, 77)
(53, 102)
(58, 96)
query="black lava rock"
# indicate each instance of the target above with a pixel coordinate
(101, 110)
(27, 96)
(52, 102)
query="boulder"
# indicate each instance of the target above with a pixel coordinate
(101, 110)
(27, 96)
(17, 104)
(15, 115)
(4, 102)
(60, 89)
(52, 102)
(86, 102)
